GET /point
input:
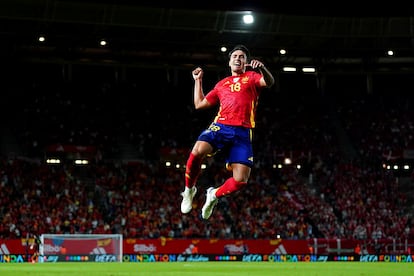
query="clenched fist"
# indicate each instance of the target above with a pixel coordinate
(197, 73)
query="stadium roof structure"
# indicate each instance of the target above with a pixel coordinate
(334, 38)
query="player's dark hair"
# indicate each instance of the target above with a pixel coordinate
(241, 48)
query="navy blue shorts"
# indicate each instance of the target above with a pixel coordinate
(235, 142)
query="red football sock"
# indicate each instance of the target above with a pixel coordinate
(229, 186)
(192, 170)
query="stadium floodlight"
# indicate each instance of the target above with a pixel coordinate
(81, 162)
(289, 69)
(308, 70)
(53, 161)
(248, 18)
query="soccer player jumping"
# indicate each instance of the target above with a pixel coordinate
(237, 96)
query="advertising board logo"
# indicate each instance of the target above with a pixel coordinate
(4, 250)
(145, 249)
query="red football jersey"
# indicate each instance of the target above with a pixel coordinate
(238, 97)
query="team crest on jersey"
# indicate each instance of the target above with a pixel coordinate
(245, 79)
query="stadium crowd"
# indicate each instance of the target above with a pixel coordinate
(340, 189)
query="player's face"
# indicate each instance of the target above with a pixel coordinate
(238, 61)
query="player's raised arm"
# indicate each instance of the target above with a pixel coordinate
(267, 76)
(199, 97)
(268, 79)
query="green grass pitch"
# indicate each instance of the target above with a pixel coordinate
(209, 269)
